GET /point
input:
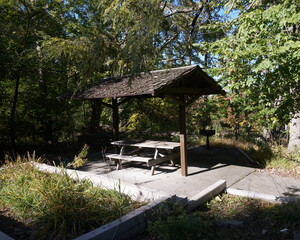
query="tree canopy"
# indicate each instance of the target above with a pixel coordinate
(49, 48)
(260, 56)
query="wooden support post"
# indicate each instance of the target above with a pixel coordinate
(115, 121)
(182, 126)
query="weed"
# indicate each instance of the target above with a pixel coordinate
(180, 225)
(266, 156)
(283, 159)
(57, 206)
(258, 216)
(81, 159)
(260, 220)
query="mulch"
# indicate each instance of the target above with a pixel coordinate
(295, 173)
(12, 227)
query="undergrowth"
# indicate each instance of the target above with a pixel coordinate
(177, 224)
(265, 155)
(54, 204)
(283, 159)
(81, 159)
(258, 220)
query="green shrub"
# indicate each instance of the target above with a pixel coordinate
(81, 159)
(180, 225)
(275, 156)
(284, 159)
(57, 206)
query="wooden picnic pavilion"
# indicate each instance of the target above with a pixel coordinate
(183, 84)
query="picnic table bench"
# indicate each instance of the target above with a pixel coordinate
(163, 151)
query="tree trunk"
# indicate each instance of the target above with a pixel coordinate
(95, 118)
(294, 141)
(46, 118)
(13, 113)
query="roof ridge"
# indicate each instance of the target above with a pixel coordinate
(154, 71)
(177, 68)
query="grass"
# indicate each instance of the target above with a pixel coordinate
(283, 159)
(55, 205)
(178, 225)
(266, 156)
(259, 219)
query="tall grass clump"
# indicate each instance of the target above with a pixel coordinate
(266, 155)
(256, 148)
(81, 159)
(284, 159)
(55, 205)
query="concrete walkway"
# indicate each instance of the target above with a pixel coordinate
(206, 167)
(269, 186)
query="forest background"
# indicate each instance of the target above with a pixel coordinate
(52, 47)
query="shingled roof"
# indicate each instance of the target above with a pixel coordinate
(190, 80)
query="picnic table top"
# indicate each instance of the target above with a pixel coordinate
(148, 144)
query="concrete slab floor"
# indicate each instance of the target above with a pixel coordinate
(280, 187)
(205, 167)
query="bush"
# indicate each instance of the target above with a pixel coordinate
(180, 225)
(57, 206)
(81, 159)
(283, 159)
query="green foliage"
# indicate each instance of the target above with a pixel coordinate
(40, 79)
(149, 118)
(260, 57)
(81, 159)
(49, 48)
(256, 215)
(282, 159)
(180, 225)
(57, 206)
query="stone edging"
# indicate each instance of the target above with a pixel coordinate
(4, 236)
(128, 226)
(262, 196)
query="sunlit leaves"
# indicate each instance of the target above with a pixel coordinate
(261, 54)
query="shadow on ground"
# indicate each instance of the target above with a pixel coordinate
(199, 157)
(13, 228)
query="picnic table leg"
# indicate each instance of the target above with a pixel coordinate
(155, 157)
(119, 161)
(119, 164)
(171, 159)
(152, 170)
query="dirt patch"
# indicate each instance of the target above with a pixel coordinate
(12, 227)
(295, 173)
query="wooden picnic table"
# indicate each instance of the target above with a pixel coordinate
(163, 151)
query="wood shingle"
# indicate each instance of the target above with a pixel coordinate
(190, 80)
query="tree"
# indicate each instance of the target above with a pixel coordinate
(52, 47)
(30, 82)
(261, 56)
(126, 37)
(294, 142)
